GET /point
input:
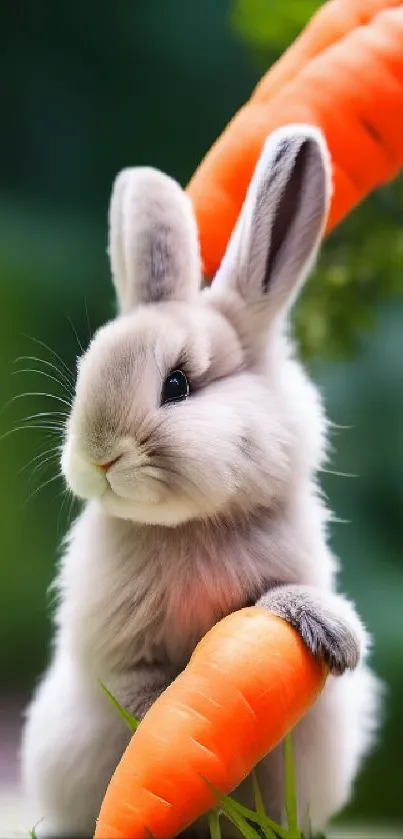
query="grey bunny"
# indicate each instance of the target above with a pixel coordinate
(194, 439)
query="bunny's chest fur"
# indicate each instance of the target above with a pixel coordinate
(131, 594)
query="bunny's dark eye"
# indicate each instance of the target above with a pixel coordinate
(175, 388)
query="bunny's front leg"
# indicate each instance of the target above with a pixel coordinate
(73, 740)
(327, 623)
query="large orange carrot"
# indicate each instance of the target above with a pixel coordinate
(249, 681)
(330, 24)
(350, 85)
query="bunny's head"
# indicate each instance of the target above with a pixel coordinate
(188, 405)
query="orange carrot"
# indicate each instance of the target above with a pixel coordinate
(348, 82)
(249, 681)
(329, 25)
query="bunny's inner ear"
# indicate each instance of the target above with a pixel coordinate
(153, 241)
(281, 224)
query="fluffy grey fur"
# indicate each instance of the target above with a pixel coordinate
(194, 509)
(327, 633)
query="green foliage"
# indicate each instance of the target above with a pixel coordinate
(256, 824)
(360, 268)
(291, 805)
(127, 718)
(266, 25)
(257, 796)
(214, 824)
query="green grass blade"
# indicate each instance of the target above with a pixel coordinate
(32, 832)
(291, 804)
(257, 795)
(270, 827)
(245, 828)
(214, 824)
(128, 718)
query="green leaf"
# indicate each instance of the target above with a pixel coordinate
(32, 832)
(228, 806)
(270, 827)
(214, 823)
(128, 718)
(291, 804)
(257, 795)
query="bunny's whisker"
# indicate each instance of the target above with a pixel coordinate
(338, 474)
(64, 495)
(54, 429)
(53, 353)
(64, 377)
(338, 427)
(82, 350)
(71, 506)
(50, 414)
(88, 319)
(51, 458)
(43, 485)
(39, 393)
(54, 451)
(47, 414)
(44, 425)
(67, 507)
(45, 374)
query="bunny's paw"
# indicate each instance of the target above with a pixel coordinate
(327, 623)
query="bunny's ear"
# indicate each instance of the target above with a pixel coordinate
(281, 224)
(153, 241)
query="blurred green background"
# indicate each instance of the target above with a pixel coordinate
(87, 89)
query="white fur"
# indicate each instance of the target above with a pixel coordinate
(152, 232)
(212, 502)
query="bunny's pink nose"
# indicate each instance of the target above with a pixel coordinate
(106, 466)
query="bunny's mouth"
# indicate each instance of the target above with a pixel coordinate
(140, 489)
(141, 485)
(107, 466)
(124, 479)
